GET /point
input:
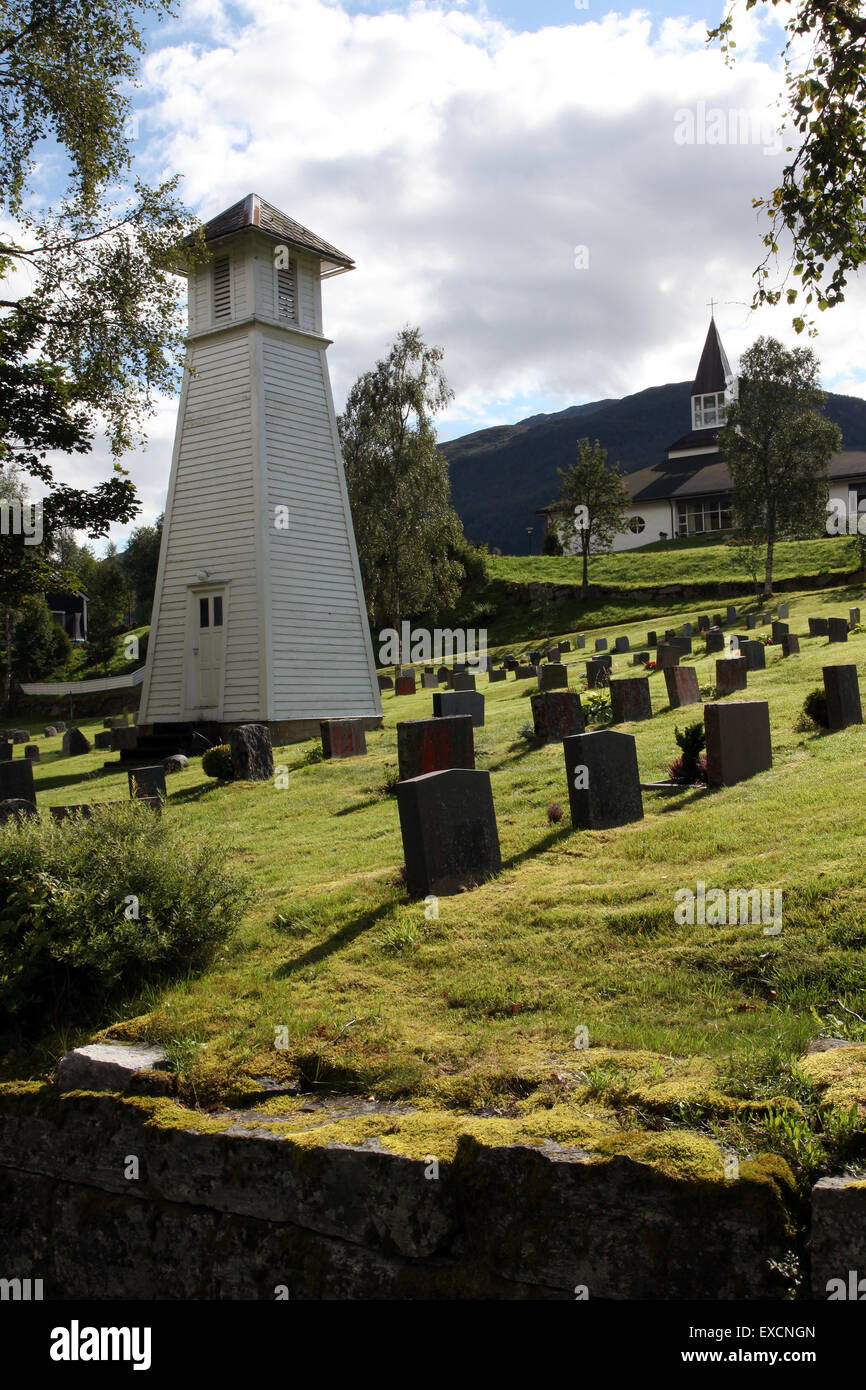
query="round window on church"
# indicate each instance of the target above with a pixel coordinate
(636, 525)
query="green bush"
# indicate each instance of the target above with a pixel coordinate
(217, 762)
(815, 707)
(92, 910)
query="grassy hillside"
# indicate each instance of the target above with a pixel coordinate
(478, 1006)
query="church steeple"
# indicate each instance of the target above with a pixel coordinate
(714, 384)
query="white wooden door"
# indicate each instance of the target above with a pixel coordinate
(208, 649)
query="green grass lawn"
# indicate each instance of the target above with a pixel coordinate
(478, 1006)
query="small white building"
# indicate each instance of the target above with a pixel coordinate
(259, 613)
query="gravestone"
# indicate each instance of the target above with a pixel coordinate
(497, 675)
(59, 813)
(6, 751)
(31, 751)
(523, 673)
(687, 630)
(843, 696)
(175, 762)
(554, 676)
(16, 781)
(102, 739)
(443, 674)
(469, 702)
(630, 699)
(147, 781)
(766, 617)
(581, 639)
(343, 738)
(682, 644)
(704, 622)
(21, 736)
(853, 617)
(463, 681)
(818, 627)
(565, 646)
(738, 741)
(717, 620)
(448, 826)
(535, 656)
(779, 630)
(404, 685)
(429, 680)
(601, 644)
(731, 614)
(670, 634)
(751, 621)
(552, 654)
(50, 731)
(682, 684)
(597, 674)
(715, 641)
(735, 643)
(652, 639)
(385, 682)
(621, 644)
(603, 779)
(60, 726)
(782, 610)
(640, 658)
(556, 715)
(75, 743)
(252, 753)
(790, 644)
(837, 629)
(14, 808)
(120, 721)
(755, 654)
(125, 738)
(667, 655)
(731, 675)
(459, 669)
(430, 745)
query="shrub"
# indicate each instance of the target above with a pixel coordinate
(815, 707)
(217, 762)
(554, 813)
(596, 706)
(691, 766)
(91, 910)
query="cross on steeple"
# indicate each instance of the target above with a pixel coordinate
(711, 306)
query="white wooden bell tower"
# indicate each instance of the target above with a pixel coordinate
(259, 612)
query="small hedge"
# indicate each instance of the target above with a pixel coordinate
(70, 940)
(217, 762)
(815, 707)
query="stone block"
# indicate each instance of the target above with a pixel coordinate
(853, 617)
(597, 674)
(15, 808)
(429, 680)
(448, 825)
(123, 738)
(738, 741)
(525, 673)
(343, 738)
(751, 621)
(497, 675)
(107, 1066)
(640, 658)
(704, 622)
(778, 631)
(652, 640)
(781, 610)
(385, 682)
(603, 780)
(580, 640)
(731, 614)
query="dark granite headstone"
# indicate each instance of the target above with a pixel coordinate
(818, 627)
(640, 658)
(843, 696)
(751, 621)
(343, 738)
(581, 640)
(704, 622)
(731, 675)
(6, 751)
(556, 714)
(853, 617)
(404, 685)
(146, 781)
(16, 781)
(667, 655)
(31, 751)
(755, 654)
(429, 680)
(552, 654)
(682, 684)
(601, 644)
(120, 721)
(13, 808)
(102, 739)
(252, 753)
(385, 682)
(443, 674)
(448, 825)
(652, 639)
(430, 745)
(564, 646)
(21, 736)
(597, 674)
(471, 702)
(630, 699)
(731, 614)
(766, 617)
(464, 680)
(497, 674)
(779, 630)
(715, 641)
(553, 676)
(738, 741)
(682, 643)
(790, 645)
(603, 779)
(523, 673)
(718, 621)
(84, 810)
(510, 662)
(126, 738)
(535, 656)
(621, 644)
(75, 743)
(837, 629)
(50, 731)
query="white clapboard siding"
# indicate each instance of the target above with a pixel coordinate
(256, 431)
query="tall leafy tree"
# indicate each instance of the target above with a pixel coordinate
(777, 445)
(140, 561)
(107, 611)
(821, 201)
(596, 501)
(96, 334)
(407, 531)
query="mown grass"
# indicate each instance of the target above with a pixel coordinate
(476, 1003)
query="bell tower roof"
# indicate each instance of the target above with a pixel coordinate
(253, 211)
(714, 372)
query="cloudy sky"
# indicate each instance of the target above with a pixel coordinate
(524, 180)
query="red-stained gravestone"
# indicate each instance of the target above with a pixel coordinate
(432, 745)
(731, 674)
(556, 714)
(682, 684)
(630, 699)
(404, 685)
(343, 738)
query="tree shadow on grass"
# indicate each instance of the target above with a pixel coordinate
(343, 937)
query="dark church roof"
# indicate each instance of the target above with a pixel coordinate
(714, 372)
(253, 211)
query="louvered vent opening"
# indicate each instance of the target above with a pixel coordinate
(286, 293)
(222, 288)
